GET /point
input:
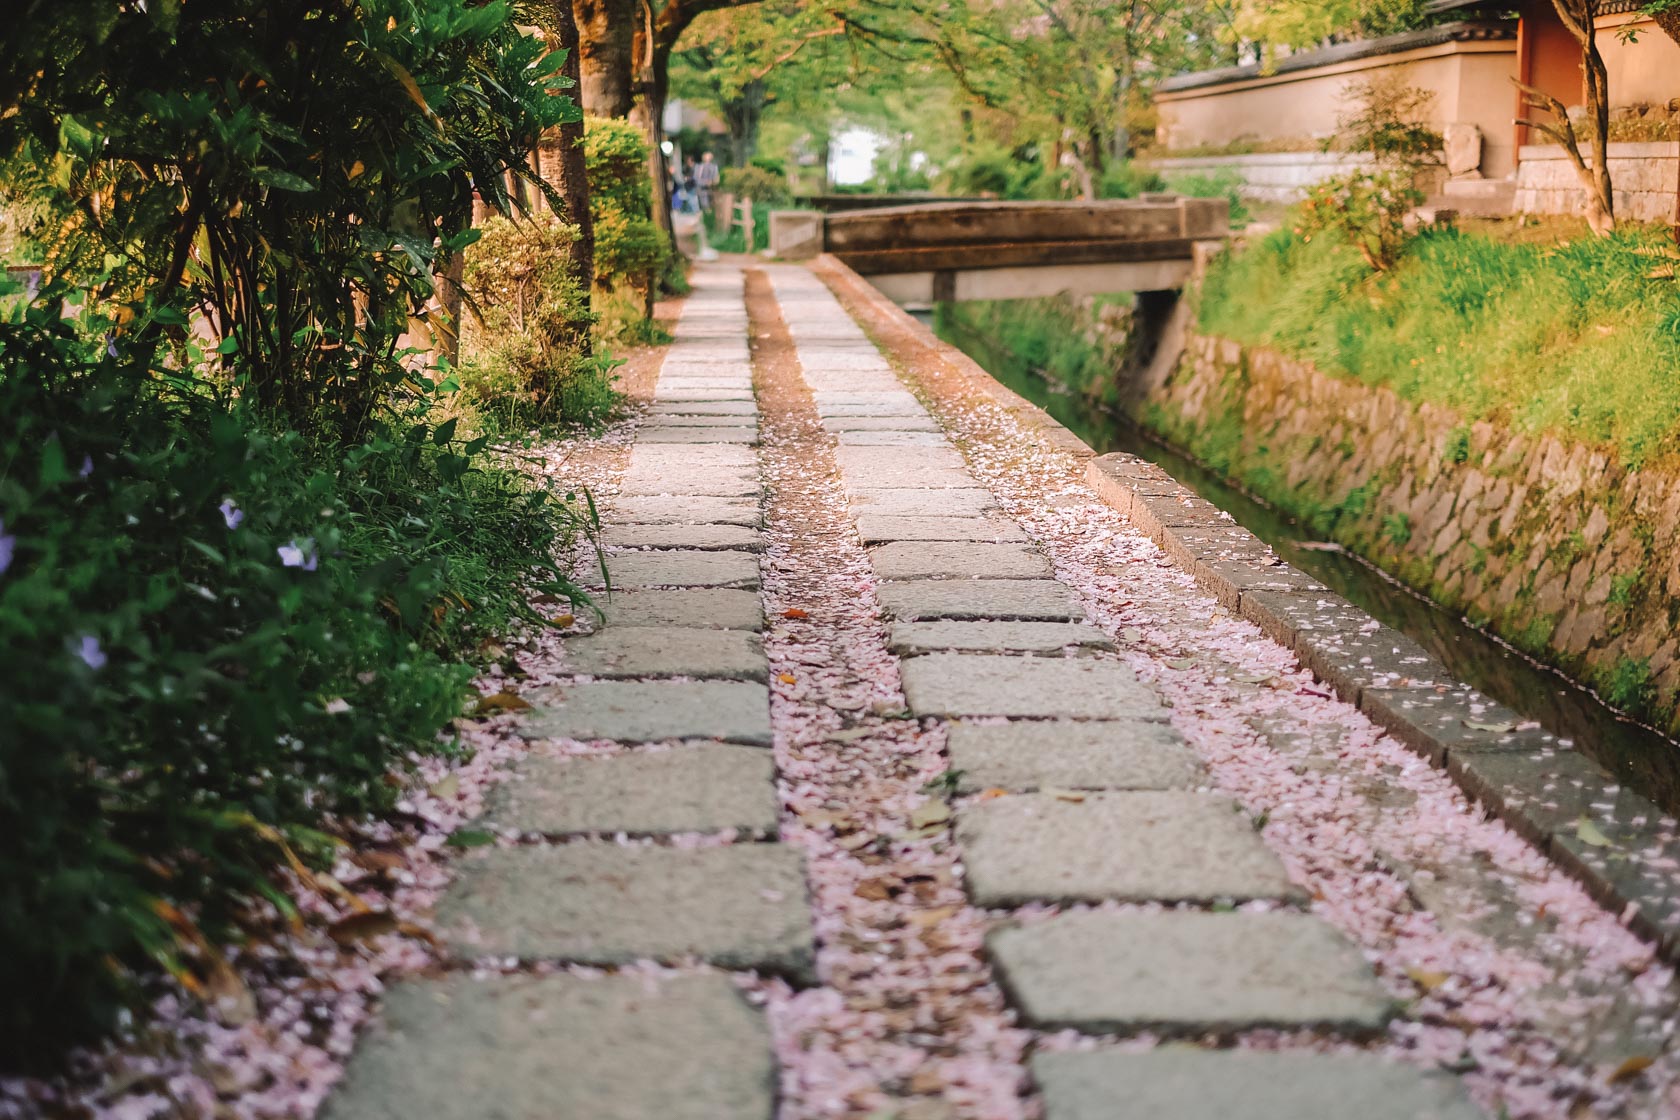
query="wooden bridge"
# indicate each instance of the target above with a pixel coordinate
(944, 251)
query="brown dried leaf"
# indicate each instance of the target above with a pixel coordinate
(359, 927)
(500, 702)
(1631, 1068)
(1426, 979)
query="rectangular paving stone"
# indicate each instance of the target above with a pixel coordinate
(700, 481)
(1181, 1083)
(899, 501)
(703, 408)
(455, 1047)
(668, 421)
(703, 537)
(981, 684)
(682, 460)
(649, 711)
(707, 787)
(1023, 756)
(911, 639)
(910, 423)
(892, 439)
(682, 568)
(891, 408)
(662, 434)
(717, 608)
(740, 906)
(1136, 846)
(926, 599)
(1186, 972)
(685, 509)
(965, 560)
(659, 651)
(875, 528)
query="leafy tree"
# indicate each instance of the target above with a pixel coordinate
(740, 61)
(294, 171)
(1297, 24)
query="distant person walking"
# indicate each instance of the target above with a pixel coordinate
(706, 179)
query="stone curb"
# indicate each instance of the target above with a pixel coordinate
(1412, 696)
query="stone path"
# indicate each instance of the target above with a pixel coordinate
(638, 943)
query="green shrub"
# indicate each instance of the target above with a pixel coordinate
(1128, 180)
(758, 184)
(220, 636)
(1222, 182)
(630, 249)
(522, 359)
(1368, 208)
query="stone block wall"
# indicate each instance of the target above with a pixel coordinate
(1555, 546)
(1642, 176)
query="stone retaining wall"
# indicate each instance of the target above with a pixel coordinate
(1556, 547)
(1642, 176)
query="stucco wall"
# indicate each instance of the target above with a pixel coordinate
(1470, 81)
(1555, 546)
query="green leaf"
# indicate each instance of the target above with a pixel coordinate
(444, 432)
(470, 838)
(1589, 833)
(281, 180)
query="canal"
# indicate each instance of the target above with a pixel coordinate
(1643, 758)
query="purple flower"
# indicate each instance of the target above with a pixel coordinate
(90, 653)
(299, 554)
(7, 544)
(111, 343)
(231, 513)
(32, 283)
(87, 466)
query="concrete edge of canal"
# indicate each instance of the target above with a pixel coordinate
(1608, 837)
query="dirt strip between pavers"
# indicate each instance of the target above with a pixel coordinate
(1511, 973)
(907, 1022)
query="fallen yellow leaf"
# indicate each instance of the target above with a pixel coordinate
(786, 678)
(1631, 1068)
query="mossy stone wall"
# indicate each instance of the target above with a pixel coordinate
(1554, 546)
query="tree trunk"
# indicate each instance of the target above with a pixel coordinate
(649, 115)
(571, 180)
(742, 114)
(606, 55)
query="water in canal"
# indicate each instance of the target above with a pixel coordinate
(1648, 761)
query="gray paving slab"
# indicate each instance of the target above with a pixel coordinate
(668, 421)
(706, 787)
(703, 537)
(892, 439)
(648, 711)
(896, 395)
(897, 460)
(890, 408)
(925, 599)
(684, 509)
(546, 1047)
(703, 408)
(701, 481)
(1189, 1084)
(932, 479)
(1133, 846)
(911, 639)
(900, 501)
(718, 608)
(874, 528)
(662, 434)
(666, 651)
(709, 392)
(682, 568)
(682, 460)
(957, 560)
(1071, 754)
(828, 355)
(596, 902)
(911, 423)
(982, 684)
(1185, 971)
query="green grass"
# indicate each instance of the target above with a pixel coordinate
(1572, 338)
